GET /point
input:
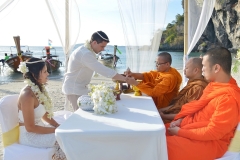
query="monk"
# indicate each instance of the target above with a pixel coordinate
(203, 129)
(162, 84)
(192, 91)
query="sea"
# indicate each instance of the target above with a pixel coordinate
(7, 75)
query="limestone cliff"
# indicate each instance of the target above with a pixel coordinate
(223, 28)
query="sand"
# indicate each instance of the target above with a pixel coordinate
(54, 88)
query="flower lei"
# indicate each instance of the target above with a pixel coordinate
(88, 46)
(23, 68)
(103, 99)
(42, 97)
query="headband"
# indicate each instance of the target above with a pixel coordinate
(23, 66)
(102, 36)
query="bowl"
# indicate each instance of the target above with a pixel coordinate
(85, 102)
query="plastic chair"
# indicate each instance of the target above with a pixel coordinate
(233, 152)
(10, 127)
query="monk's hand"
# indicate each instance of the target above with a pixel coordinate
(131, 80)
(161, 114)
(175, 123)
(173, 130)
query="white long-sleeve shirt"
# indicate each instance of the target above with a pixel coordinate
(81, 66)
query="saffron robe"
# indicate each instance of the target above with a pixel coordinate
(192, 91)
(161, 86)
(208, 124)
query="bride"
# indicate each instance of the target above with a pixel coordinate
(36, 108)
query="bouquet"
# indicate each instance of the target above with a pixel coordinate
(103, 99)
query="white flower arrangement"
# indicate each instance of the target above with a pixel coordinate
(43, 97)
(103, 99)
(88, 46)
(23, 68)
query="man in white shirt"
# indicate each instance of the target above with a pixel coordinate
(81, 66)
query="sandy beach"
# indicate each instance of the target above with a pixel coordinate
(54, 87)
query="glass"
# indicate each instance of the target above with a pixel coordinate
(159, 64)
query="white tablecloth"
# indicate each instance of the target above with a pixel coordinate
(135, 132)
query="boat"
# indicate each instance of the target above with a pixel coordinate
(108, 59)
(15, 58)
(52, 60)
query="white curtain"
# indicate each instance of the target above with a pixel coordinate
(66, 17)
(199, 13)
(143, 23)
(7, 6)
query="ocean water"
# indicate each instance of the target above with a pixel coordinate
(6, 74)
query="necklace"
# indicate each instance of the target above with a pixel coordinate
(42, 97)
(88, 46)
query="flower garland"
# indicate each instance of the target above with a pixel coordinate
(23, 68)
(42, 97)
(88, 46)
(103, 99)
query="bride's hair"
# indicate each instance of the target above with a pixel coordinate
(35, 66)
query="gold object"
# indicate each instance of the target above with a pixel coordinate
(137, 91)
(117, 86)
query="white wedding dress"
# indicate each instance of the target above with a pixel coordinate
(39, 140)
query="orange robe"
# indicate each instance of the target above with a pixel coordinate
(161, 86)
(192, 91)
(208, 124)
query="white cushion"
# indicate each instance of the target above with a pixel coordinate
(22, 152)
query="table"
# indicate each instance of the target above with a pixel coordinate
(135, 132)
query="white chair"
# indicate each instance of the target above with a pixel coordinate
(10, 128)
(233, 152)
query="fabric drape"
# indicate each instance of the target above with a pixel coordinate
(143, 23)
(199, 13)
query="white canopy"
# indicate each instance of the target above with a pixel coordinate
(143, 23)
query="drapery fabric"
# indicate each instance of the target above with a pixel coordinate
(143, 23)
(199, 13)
(68, 28)
(66, 17)
(6, 6)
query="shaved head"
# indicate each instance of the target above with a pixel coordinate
(197, 62)
(193, 68)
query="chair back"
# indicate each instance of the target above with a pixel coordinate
(233, 152)
(235, 142)
(9, 119)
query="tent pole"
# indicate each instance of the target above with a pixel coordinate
(66, 34)
(185, 27)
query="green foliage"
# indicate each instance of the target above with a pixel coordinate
(179, 19)
(203, 44)
(236, 65)
(171, 36)
(220, 1)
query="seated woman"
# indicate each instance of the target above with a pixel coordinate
(35, 106)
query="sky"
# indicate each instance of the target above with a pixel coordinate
(31, 20)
